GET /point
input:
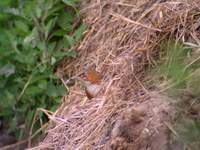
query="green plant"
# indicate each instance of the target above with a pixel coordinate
(172, 66)
(189, 131)
(178, 69)
(35, 36)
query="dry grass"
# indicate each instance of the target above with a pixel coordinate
(121, 41)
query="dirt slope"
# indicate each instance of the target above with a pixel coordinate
(122, 41)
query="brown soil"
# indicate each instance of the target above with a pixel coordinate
(142, 128)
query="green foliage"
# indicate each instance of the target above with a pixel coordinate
(178, 68)
(172, 66)
(189, 131)
(35, 35)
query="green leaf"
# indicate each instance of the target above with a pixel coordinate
(6, 3)
(26, 58)
(79, 32)
(13, 124)
(65, 21)
(12, 37)
(32, 38)
(53, 60)
(53, 108)
(48, 4)
(42, 84)
(51, 90)
(59, 54)
(14, 12)
(38, 12)
(2, 85)
(7, 70)
(22, 26)
(42, 68)
(71, 53)
(61, 91)
(60, 33)
(71, 3)
(37, 78)
(54, 91)
(51, 47)
(9, 97)
(68, 41)
(29, 9)
(50, 25)
(33, 91)
(54, 11)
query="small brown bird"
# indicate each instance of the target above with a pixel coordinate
(92, 83)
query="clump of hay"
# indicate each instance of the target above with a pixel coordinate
(121, 41)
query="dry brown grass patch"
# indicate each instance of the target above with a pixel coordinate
(121, 41)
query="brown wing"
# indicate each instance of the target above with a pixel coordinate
(93, 76)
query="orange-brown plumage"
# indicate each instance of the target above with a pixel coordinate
(93, 76)
(92, 83)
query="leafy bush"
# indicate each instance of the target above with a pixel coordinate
(35, 36)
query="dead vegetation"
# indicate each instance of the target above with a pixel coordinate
(122, 41)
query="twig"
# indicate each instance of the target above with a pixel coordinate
(25, 87)
(64, 84)
(192, 63)
(135, 22)
(126, 4)
(138, 81)
(28, 81)
(171, 129)
(176, 83)
(39, 130)
(31, 129)
(32, 125)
